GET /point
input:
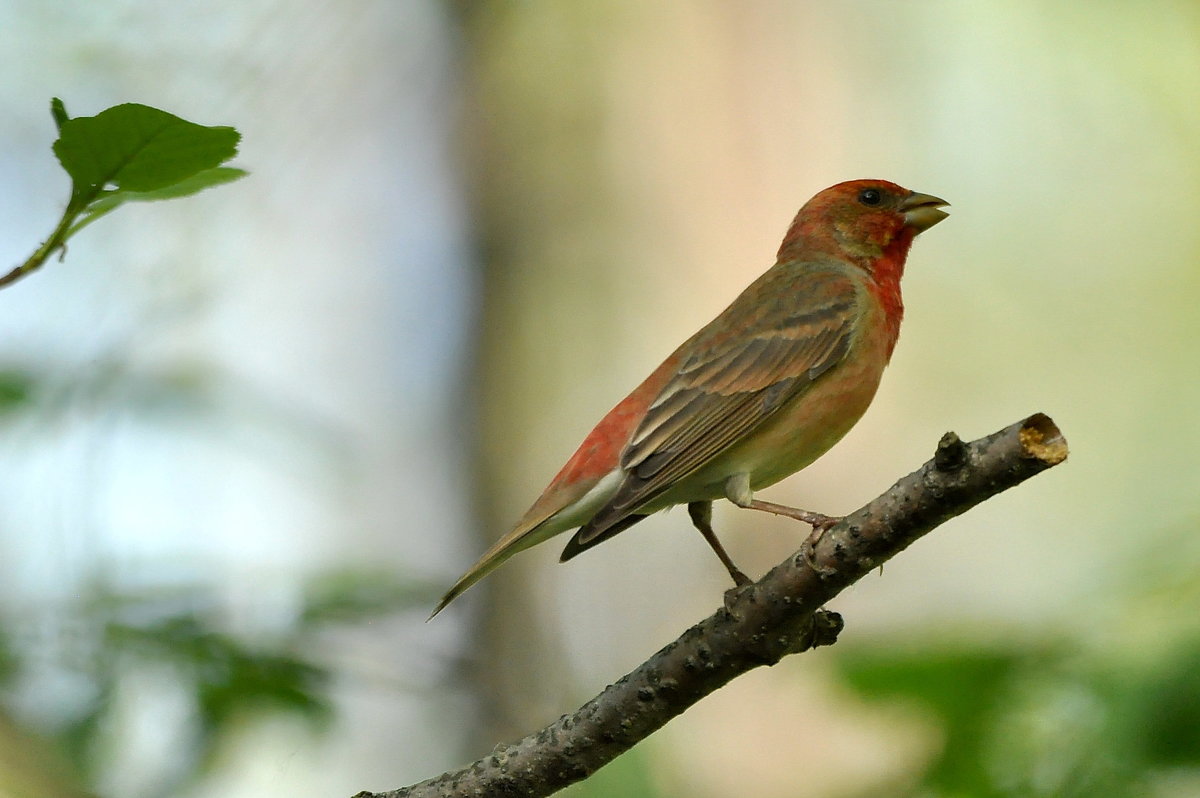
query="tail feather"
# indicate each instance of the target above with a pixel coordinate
(515, 541)
(563, 506)
(587, 537)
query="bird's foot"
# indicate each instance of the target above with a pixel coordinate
(819, 522)
(820, 525)
(732, 594)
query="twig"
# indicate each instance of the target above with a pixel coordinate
(56, 241)
(761, 623)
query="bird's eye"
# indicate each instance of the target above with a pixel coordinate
(870, 196)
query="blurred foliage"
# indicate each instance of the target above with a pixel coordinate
(16, 387)
(962, 688)
(30, 766)
(1060, 719)
(224, 677)
(180, 391)
(110, 637)
(115, 636)
(351, 596)
(9, 662)
(629, 776)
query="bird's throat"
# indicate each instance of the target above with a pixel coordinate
(886, 271)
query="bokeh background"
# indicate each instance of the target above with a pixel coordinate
(247, 438)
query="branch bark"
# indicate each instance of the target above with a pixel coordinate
(760, 623)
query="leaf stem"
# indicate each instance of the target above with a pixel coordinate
(55, 242)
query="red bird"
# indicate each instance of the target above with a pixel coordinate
(761, 391)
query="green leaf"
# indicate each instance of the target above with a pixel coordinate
(138, 148)
(128, 152)
(111, 200)
(59, 113)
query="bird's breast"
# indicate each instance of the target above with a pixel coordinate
(801, 430)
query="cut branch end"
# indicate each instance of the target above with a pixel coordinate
(1042, 439)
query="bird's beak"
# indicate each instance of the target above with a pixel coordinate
(922, 211)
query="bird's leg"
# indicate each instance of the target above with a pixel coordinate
(820, 525)
(701, 514)
(737, 489)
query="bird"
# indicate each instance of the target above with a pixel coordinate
(758, 393)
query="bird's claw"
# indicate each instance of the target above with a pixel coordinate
(733, 593)
(808, 551)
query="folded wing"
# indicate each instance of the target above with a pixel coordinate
(749, 362)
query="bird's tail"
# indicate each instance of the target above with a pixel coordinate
(517, 540)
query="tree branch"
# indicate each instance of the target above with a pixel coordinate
(760, 623)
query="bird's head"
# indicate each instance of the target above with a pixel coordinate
(861, 219)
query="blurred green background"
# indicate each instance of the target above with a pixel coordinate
(247, 438)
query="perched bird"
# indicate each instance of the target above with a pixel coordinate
(761, 391)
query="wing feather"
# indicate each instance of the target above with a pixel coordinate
(748, 363)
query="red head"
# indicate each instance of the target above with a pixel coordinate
(870, 223)
(863, 221)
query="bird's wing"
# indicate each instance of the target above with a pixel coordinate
(774, 341)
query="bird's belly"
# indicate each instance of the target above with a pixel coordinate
(803, 431)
